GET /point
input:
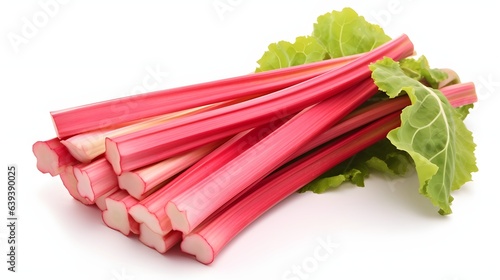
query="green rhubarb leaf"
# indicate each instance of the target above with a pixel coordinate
(420, 70)
(464, 110)
(283, 54)
(432, 133)
(335, 34)
(382, 157)
(346, 33)
(325, 183)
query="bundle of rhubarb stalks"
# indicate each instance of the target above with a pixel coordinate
(195, 165)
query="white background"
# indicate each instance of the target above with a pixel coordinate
(89, 51)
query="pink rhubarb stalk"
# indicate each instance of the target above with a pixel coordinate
(52, 156)
(132, 108)
(206, 241)
(460, 94)
(151, 145)
(140, 182)
(69, 181)
(198, 202)
(151, 210)
(89, 145)
(116, 215)
(95, 179)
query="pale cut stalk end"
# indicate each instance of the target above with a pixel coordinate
(84, 185)
(178, 218)
(452, 78)
(142, 215)
(100, 201)
(116, 216)
(46, 159)
(196, 245)
(132, 183)
(95, 179)
(161, 243)
(151, 238)
(69, 181)
(52, 156)
(113, 156)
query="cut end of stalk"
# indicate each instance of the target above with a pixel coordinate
(452, 78)
(151, 239)
(113, 156)
(178, 218)
(100, 201)
(133, 184)
(46, 159)
(198, 246)
(83, 185)
(69, 182)
(141, 214)
(116, 216)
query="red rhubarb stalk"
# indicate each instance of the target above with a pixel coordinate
(198, 202)
(206, 241)
(142, 181)
(104, 114)
(151, 210)
(52, 156)
(151, 145)
(69, 181)
(89, 145)
(95, 179)
(462, 94)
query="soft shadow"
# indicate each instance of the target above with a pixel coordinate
(66, 209)
(403, 194)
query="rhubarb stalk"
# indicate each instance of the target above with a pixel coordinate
(151, 145)
(89, 145)
(191, 207)
(95, 179)
(110, 113)
(151, 210)
(206, 241)
(142, 181)
(69, 181)
(52, 156)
